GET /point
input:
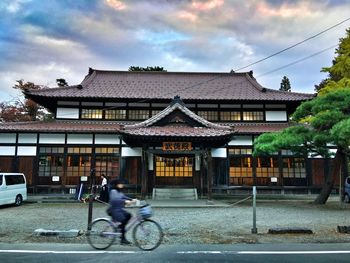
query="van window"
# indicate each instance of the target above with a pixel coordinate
(14, 179)
(0, 179)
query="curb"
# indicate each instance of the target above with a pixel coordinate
(289, 230)
(58, 233)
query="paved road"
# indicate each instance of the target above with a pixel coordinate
(308, 253)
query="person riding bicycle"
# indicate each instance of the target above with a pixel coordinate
(117, 202)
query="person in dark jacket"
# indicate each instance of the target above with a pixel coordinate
(117, 202)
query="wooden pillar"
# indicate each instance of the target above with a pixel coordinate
(209, 173)
(144, 171)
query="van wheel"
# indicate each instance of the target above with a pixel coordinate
(346, 198)
(18, 200)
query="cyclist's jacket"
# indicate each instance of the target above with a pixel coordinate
(117, 203)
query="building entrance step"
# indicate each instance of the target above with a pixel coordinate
(174, 194)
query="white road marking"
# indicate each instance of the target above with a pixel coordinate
(293, 252)
(66, 252)
(266, 252)
(179, 252)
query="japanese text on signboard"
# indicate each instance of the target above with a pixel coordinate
(177, 146)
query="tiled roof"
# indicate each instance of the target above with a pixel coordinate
(178, 131)
(177, 104)
(101, 84)
(258, 128)
(61, 126)
(113, 127)
(199, 127)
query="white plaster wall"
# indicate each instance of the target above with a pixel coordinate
(241, 140)
(7, 137)
(52, 138)
(219, 152)
(107, 139)
(26, 151)
(67, 113)
(276, 116)
(131, 152)
(79, 139)
(27, 138)
(7, 150)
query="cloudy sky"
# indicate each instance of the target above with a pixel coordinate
(42, 40)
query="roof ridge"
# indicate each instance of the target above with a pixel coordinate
(165, 72)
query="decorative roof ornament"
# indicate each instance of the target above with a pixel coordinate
(178, 100)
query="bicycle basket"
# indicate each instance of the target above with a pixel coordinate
(145, 211)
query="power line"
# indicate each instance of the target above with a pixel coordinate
(264, 74)
(290, 47)
(297, 61)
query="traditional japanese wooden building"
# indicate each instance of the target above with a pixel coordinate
(158, 129)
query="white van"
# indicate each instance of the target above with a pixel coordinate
(13, 188)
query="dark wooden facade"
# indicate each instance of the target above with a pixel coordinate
(116, 123)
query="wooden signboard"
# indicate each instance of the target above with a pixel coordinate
(177, 146)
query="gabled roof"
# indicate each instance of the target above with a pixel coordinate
(177, 121)
(123, 85)
(176, 105)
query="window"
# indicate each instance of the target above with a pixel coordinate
(208, 115)
(294, 167)
(253, 116)
(241, 166)
(91, 113)
(14, 179)
(138, 114)
(107, 161)
(267, 167)
(113, 150)
(115, 114)
(230, 116)
(238, 151)
(51, 161)
(179, 167)
(155, 112)
(78, 161)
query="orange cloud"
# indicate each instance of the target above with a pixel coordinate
(285, 10)
(115, 4)
(185, 15)
(205, 6)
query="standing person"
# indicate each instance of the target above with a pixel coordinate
(117, 201)
(104, 189)
(104, 180)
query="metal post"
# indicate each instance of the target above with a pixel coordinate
(91, 197)
(254, 229)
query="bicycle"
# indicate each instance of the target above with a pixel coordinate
(147, 234)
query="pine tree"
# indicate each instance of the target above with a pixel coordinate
(285, 84)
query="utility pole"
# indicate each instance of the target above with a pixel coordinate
(91, 197)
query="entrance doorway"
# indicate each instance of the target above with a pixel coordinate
(174, 171)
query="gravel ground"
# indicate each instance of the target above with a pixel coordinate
(187, 225)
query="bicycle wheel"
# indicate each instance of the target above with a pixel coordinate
(102, 234)
(147, 235)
